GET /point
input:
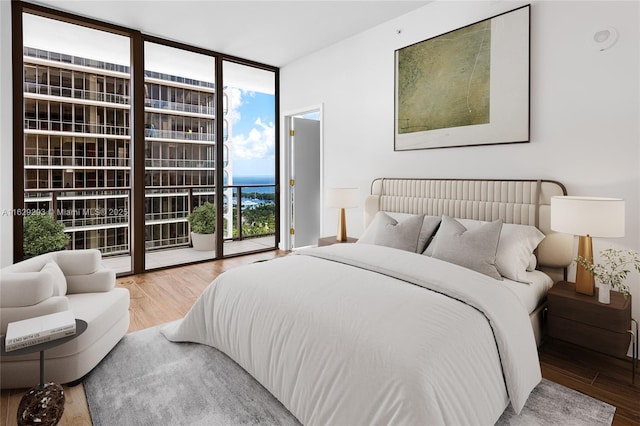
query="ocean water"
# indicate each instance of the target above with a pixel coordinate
(255, 180)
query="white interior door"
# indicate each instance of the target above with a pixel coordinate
(305, 172)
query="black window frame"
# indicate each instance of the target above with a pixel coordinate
(137, 40)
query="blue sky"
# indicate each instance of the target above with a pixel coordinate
(252, 116)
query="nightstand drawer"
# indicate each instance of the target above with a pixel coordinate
(588, 336)
(564, 302)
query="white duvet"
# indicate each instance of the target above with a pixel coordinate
(356, 334)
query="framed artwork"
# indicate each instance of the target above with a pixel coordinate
(466, 87)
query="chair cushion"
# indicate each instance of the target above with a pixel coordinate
(79, 262)
(33, 264)
(101, 311)
(58, 279)
(101, 280)
(48, 306)
(24, 288)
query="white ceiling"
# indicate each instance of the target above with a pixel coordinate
(271, 32)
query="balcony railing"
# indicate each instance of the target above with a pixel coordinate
(174, 134)
(68, 92)
(176, 162)
(109, 129)
(177, 79)
(48, 160)
(101, 209)
(179, 106)
(69, 59)
(101, 129)
(252, 197)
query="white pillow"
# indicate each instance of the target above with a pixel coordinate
(515, 248)
(59, 281)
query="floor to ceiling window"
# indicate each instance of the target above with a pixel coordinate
(180, 150)
(76, 131)
(201, 146)
(251, 175)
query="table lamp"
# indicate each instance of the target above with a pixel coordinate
(342, 198)
(587, 217)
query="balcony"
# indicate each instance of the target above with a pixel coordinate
(99, 218)
(161, 163)
(179, 255)
(31, 88)
(76, 60)
(157, 134)
(178, 106)
(79, 129)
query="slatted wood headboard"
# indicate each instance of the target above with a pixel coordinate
(525, 202)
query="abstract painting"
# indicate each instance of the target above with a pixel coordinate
(466, 87)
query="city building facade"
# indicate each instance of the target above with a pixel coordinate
(77, 148)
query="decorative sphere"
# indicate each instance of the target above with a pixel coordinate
(42, 405)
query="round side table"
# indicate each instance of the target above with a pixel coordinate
(42, 404)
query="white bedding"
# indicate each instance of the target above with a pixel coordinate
(339, 344)
(532, 294)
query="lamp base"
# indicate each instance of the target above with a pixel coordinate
(585, 284)
(342, 227)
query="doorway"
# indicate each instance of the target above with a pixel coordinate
(303, 173)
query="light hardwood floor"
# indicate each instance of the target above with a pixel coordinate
(167, 295)
(156, 298)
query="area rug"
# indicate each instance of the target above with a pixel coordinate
(147, 380)
(551, 404)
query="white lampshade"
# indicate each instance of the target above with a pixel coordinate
(593, 216)
(342, 197)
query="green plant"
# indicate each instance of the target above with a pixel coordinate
(614, 269)
(203, 219)
(42, 234)
(260, 220)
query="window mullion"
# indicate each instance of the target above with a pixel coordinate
(136, 144)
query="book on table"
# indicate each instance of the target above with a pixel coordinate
(36, 330)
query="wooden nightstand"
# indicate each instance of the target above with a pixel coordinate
(582, 320)
(327, 241)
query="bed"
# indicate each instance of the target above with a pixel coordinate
(382, 332)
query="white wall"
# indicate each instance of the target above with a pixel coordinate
(6, 137)
(584, 107)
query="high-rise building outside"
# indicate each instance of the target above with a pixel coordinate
(77, 148)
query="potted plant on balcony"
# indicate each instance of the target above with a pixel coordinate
(42, 234)
(203, 226)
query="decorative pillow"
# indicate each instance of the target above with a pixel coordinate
(404, 234)
(369, 234)
(474, 249)
(515, 248)
(429, 226)
(59, 281)
(401, 235)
